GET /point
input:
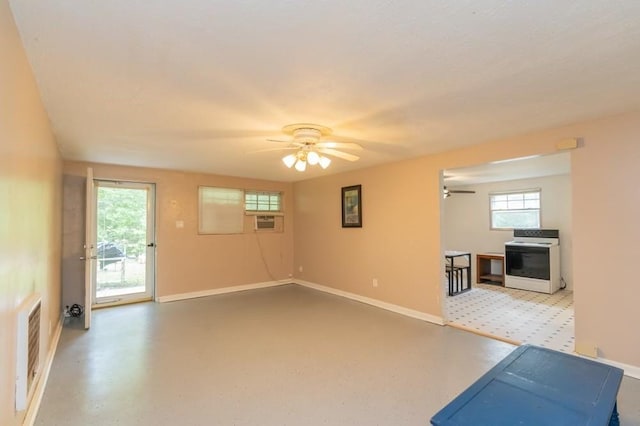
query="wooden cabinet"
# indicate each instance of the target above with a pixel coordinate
(490, 268)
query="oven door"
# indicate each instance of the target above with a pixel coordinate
(527, 261)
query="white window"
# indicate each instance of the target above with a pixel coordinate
(221, 210)
(519, 209)
(261, 201)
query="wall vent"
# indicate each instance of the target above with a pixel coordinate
(27, 349)
(265, 223)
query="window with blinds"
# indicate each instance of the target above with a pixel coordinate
(221, 210)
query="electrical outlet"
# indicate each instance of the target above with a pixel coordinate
(300, 268)
(375, 282)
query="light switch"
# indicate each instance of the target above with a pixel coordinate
(179, 223)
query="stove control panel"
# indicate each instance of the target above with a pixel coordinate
(536, 233)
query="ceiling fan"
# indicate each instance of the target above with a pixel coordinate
(447, 192)
(308, 140)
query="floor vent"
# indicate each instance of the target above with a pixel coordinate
(28, 349)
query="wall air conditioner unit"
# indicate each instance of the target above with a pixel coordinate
(265, 223)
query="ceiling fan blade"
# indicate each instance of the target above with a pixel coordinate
(282, 148)
(365, 142)
(393, 148)
(291, 143)
(339, 154)
(339, 145)
(461, 191)
(279, 140)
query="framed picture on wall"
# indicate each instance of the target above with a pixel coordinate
(352, 206)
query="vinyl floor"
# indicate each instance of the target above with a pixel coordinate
(286, 355)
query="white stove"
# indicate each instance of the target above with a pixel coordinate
(531, 243)
(532, 260)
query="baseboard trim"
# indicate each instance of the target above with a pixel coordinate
(373, 302)
(629, 370)
(34, 404)
(223, 290)
(484, 334)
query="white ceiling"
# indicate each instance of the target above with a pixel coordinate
(200, 84)
(517, 168)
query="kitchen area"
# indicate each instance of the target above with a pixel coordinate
(511, 284)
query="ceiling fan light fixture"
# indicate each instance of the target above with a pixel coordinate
(324, 162)
(310, 146)
(289, 160)
(313, 158)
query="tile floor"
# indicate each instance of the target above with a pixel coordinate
(516, 315)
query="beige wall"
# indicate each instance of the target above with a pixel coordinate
(188, 262)
(606, 250)
(392, 246)
(466, 218)
(400, 243)
(30, 196)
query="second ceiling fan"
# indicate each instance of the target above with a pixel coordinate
(447, 192)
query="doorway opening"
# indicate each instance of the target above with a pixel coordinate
(490, 308)
(124, 231)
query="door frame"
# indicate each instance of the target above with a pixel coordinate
(89, 244)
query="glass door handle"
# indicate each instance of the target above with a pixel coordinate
(151, 245)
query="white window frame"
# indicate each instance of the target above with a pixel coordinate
(264, 212)
(521, 192)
